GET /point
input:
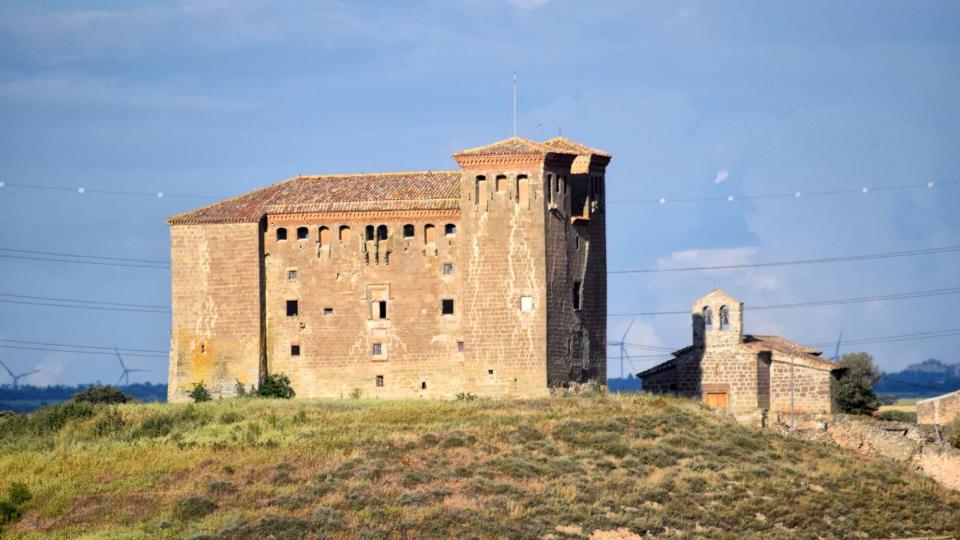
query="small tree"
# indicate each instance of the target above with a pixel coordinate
(240, 389)
(276, 386)
(101, 394)
(199, 393)
(855, 395)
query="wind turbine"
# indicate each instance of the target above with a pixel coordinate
(125, 374)
(623, 347)
(836, 352)
(16, 378)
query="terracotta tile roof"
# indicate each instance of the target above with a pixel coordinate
(512, 146)
(566, 145)
(335, 192)
(785, 346)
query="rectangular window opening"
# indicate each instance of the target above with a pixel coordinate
(446, 307)
(380, 381)
(293, 308)
(382, 309)
(377, 349)
(292, 274)
(526, 303)
(327, 311)
(459, 346)
(576, 295)
(447, 269)
(294, 350)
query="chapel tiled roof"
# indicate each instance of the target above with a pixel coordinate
(335, 192)
(785, 346)
(566, 145)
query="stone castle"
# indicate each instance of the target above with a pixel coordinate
(746, 375)
(488, 280)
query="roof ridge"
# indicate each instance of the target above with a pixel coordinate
(380, 173)
(516, 138)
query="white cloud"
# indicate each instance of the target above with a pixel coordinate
(529, 4)
(721, 176)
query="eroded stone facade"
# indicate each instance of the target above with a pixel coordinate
(939, 410)
(747, 375)
(490, 280)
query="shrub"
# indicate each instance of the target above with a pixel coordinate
(461, 396)
(199, 393)
(11, 508)
(193, 508)
(101, 394)
(230, 417)
(897, 416)
(110, 422)
(356, 394)
(276, 386)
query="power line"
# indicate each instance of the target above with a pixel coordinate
(842, 301)
(891, 339)
(822, 260)
(111, 348)
(863, 190)
(51, 299)
(24, 302)
(81, 190)
(99, 263)
(103, 353)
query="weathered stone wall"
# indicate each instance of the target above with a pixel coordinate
(504, 261)
(798, 388)
(920, 447)
(337, 286)
(939, 410)
(215, 284)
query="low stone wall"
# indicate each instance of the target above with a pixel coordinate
(921, 447)
(939, 410)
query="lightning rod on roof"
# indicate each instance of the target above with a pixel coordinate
(514, 103)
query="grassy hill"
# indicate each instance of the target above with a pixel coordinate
(566, 468)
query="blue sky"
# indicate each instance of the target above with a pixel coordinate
(219, 97)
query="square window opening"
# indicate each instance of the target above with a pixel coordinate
(447, 269)
(292, 275)
(526, 303)
(327, 311)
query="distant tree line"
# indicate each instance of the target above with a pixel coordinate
(27, 398)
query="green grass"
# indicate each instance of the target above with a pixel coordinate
(252, 468)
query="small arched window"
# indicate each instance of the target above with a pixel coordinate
(724, 318)
(523, 189)
(344, 234)
(408, 231)
(501, 184)
(281, 234)
(371, 232)
(450, 229)
(708, 318)
(302, 233)
(382, 232)
(324, 237)
(429, 234)
(481, 189)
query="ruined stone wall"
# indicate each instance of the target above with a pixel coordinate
(338, 283)
(503, 260)
(921, 447)
(215, 330)
(939, 410)
(811, 389)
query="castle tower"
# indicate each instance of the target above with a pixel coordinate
(717, 320)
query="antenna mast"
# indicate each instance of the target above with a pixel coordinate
(514, 103)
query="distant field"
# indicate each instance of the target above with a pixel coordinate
(908, 405)
(563, 468)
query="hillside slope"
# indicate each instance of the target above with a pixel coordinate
(249, 468)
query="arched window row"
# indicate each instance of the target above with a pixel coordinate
(501, 186)
(370, 233)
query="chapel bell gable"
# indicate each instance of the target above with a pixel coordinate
(717, 320)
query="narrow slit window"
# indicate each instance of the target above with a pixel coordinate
(459, 346)
(382, 309)
(576, 295)
(293, 308)
(423, 385)
(446, 306)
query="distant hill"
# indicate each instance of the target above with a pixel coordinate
(30, 398)
(928, 378)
